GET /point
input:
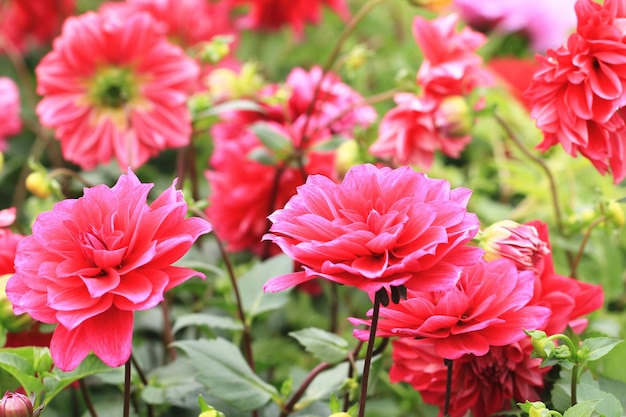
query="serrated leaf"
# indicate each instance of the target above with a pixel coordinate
(326, 346)
(582, 409)
(255, 301)
(208, 320)
(597, 347)
(56, 380)
(271, 138)
(224, 372)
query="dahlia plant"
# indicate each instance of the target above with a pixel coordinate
(329, 208)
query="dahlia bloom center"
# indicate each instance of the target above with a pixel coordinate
(102, 249)
(114, 87)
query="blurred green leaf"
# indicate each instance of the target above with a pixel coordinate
(206, 320)
(325, 346)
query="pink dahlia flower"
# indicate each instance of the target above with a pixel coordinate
(378, 228)
(93, 261)
(579, 88)
(483, 384)
(411, 133)
(115, 88)
(567, 298)
(451, 65)
(26, 23)
(272, 15)
(10, 121)
(489, 306)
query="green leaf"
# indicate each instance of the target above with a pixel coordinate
(57, 380)
(271, 138)
(587, 389)
(170, 384)
(596, 347)
(329, 145)
(255, 301)
(262, 156)
(324, 345)
(24, 364)
(206, 320)
(582, 409)
(224, 372)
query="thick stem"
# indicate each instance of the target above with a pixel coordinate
(127, 388)
(574, 384)
(368, 354)
(446, 405)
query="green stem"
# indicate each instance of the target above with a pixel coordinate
(583, 244)
(369, 352)
(574, 384)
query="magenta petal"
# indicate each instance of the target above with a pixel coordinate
(282, 282)
(69, 347)
(114, 344)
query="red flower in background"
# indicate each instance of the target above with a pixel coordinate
(569, 299)
(245, 191)
(274, 14)
(411, 132)
(378, 228)
(115, 88)
(93, 261)
(483, 384)
(10, 121)
(489, 306)
(579, 88)
(27, 23)
(451, 65)
(8, 241)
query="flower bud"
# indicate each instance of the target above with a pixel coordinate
(453, 117)
(226, 84)
(38, 183)
(1, 161)
(14, 404)
(347, 156)
(517, 242)
(342, 414)
(615, 213)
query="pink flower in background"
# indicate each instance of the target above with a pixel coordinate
(568, 299)
(272, 15)
(485, 385)
(8, 241)
(26, 23)
(451, 65)
(94, 260)
(10, 121)
(489, 306)
(410, 133)
(115, 88)
(578, 89)
(545, 23)
(244, 191)
(378, 228)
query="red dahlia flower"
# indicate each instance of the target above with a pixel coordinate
(487, 307)
(8, 241)
(10, 122)
(274, 14)
(483, 384)
(378, 228)
(579, 88)
(91, 262)
(115, 87)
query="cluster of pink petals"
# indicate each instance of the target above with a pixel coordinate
(545, 23)
(92, 133)
(244, 191)
(8, 241)
(579, 88)
(10, 121)
(26, 23)
(91, 262)
(272, 15)
(378, 228)
(483, 385)
(489, 306)
(414, 130)
(410, 133)
(567, 298)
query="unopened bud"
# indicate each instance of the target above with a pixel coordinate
(227, 84)
(39, 184)
(518, 242)
(14, 404)
(453, 117)
(615, 213)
